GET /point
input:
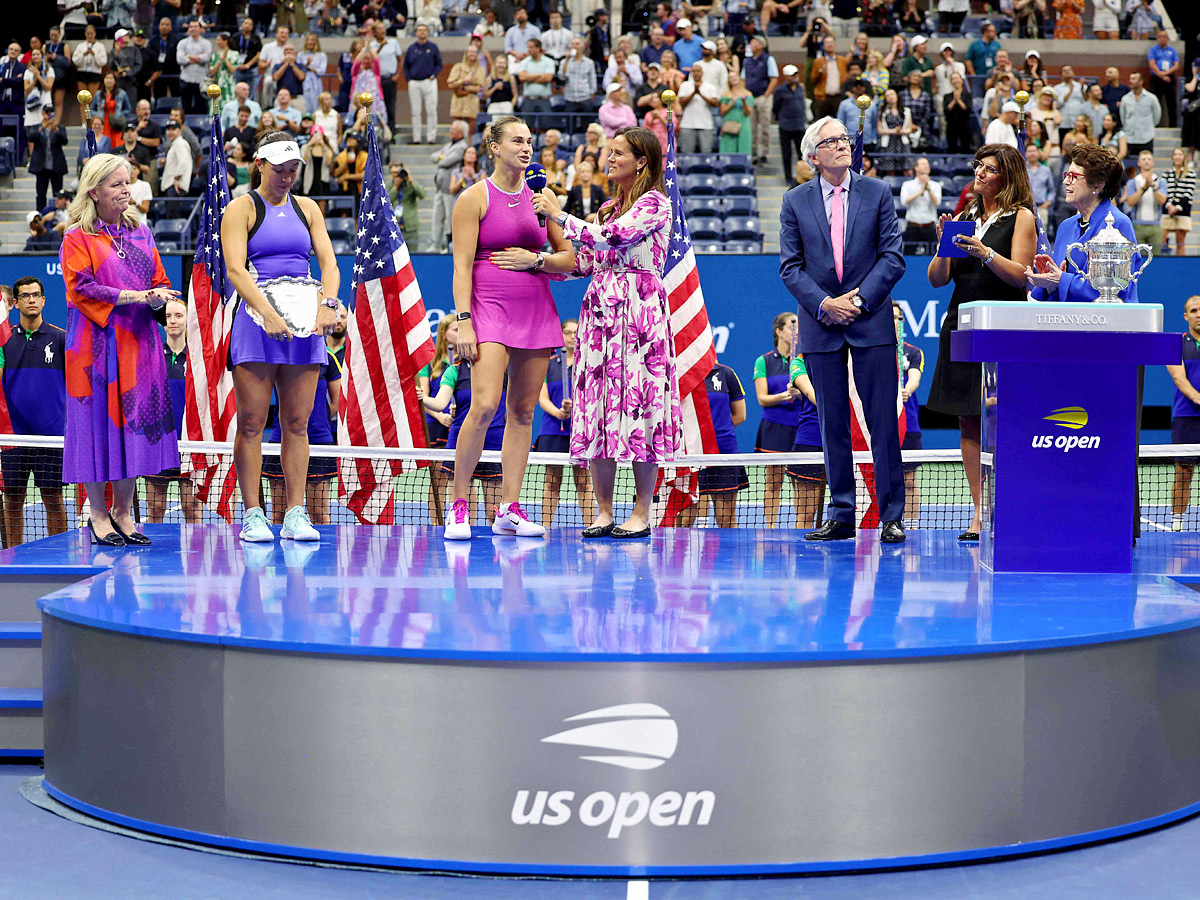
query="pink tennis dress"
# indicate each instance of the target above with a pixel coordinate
(515, 309)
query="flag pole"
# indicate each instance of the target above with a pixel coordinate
(364, 100)
(85, 111)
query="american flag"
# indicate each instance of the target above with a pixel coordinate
(210, 414)
(387, 343)
(860, 433)
(695, 353)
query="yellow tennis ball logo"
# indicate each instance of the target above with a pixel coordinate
(1073, 417)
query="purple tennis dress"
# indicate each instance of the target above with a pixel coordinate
(279, 244)
(515, 309)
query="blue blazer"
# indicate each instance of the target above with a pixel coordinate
(1071, 287)
(873, 262)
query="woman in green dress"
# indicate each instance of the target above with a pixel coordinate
(223, 68)
(736, 136)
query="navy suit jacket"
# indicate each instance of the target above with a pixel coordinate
(873, 262)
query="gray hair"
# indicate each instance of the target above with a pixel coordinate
(808, 145)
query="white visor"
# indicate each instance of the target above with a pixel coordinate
(279, 152)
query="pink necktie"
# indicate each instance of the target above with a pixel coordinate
(837, 229)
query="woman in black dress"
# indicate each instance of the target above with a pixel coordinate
(994, 269)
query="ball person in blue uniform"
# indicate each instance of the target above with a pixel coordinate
(1185, 411)
(555, 434)
(780, 404)
(721, 484)
(912, 365)
(808, 480)
(175, 350)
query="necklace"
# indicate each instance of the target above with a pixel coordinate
(118, 247)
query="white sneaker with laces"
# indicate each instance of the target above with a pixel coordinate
(254, 526)
(297, 526)
(511, 519)
(458, 526)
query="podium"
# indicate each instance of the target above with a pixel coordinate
(1060, 430)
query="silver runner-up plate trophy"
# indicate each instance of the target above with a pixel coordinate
(297, 300)
(1109, 258)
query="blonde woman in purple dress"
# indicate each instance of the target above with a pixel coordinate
(627, 407)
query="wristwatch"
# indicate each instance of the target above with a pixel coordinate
(541, 261)
(462, 317)
(330, 303)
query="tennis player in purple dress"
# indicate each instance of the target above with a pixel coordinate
(270, 233)
(507, 320)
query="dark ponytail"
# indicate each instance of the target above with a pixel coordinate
(271, 137)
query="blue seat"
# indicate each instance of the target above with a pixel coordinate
(737, 184)
(734, 163)
(743, 247)
(171, 229)
(167, 246)
(709, 247)
(164, 104)
(197, 123)
(699, 184)
(713, 206)
(697, 164)
(743, 228)
(705, 228)
(342, 247)
(741, 206)
(339, 228)
(160, 119)
(895, 182)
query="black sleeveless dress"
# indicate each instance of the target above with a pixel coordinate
(956, 386)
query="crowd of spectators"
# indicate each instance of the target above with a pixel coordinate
(577, 86)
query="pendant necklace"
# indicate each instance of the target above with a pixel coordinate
(118, 247)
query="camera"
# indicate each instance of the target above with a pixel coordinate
(402, 174)
(590, 21)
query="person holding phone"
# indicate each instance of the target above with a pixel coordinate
(999, 251)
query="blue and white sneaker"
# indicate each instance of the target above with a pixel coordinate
(254, 526)
(297, 527)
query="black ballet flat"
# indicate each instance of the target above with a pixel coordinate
(111, 540)
(598, 531)
(624, 533)
(133, 540)
(969, 536)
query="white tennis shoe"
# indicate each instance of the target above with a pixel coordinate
(511, 519)
(458, 526)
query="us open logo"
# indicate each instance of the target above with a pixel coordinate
(1072, 418)
(635, 736)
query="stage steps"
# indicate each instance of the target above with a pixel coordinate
(21, 658)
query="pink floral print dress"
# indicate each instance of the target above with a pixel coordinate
(627, 404)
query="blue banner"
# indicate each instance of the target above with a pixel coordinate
(743, 294)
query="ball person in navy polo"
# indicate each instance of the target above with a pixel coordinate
(1185, 411)
(36, 387)
(840, 256)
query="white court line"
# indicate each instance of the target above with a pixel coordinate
(638, 890)
(1154, 525)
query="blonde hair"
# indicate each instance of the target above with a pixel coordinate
(82, 212)
(441, 347)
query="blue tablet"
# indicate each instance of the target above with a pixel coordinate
(950, 231)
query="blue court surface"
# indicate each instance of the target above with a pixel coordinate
(684, 595)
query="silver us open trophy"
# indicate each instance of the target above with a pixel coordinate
(1109, 257)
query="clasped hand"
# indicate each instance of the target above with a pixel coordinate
(1044, 273)
(840, 310)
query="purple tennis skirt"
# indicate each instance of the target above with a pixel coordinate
(249, 343)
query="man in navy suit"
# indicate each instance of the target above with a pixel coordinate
(840, 256)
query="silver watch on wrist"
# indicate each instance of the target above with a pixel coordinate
(330, 303)
(539, 262)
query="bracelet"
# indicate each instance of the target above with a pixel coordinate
(991, 255)
(561, 219)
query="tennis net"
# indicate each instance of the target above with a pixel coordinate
(778, 490)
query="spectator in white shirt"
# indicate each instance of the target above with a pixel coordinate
(488, 26)
(716, 75)
(193, 54)
(1003, 128)
(90, 57)
(176, 177)
(942, 72)
(556, 40)
(269, 57)
(921, 198)
(696, 124)
(388, 51)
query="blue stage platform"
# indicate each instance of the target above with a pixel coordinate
(704, 702)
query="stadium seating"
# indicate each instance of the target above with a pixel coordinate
(705, 228)
(699, 184)
(164, 104)
(743, 228)
(737, 184)
(8, 155)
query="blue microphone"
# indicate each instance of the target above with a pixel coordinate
(535, 177)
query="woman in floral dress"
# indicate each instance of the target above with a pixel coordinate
(627, 406)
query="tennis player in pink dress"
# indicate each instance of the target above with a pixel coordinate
(507, 321)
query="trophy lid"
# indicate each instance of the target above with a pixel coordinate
(1108, 235)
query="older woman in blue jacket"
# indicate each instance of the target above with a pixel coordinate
(1092, 181)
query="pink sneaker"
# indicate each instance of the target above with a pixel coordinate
(511, 519)
(458, 527)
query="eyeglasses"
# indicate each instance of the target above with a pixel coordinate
(979, 166)
(1071, 177)
(37, 296)
(834, 142)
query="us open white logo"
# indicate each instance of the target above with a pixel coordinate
(637, 736)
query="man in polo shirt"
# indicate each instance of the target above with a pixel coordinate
(1185, 412)
(422, 65)
(241, 97)
(981, 55)
(536, 75)
(653, 51)
(1112, 91)
(289, 76)
(917, 61)
(761, 75)
(787, 106)
(1140, 112)
(287, 117)
(1164, 69)
(517, 38)
(36, 389)
(687, 46)
(1145, 194)
(193, 54)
